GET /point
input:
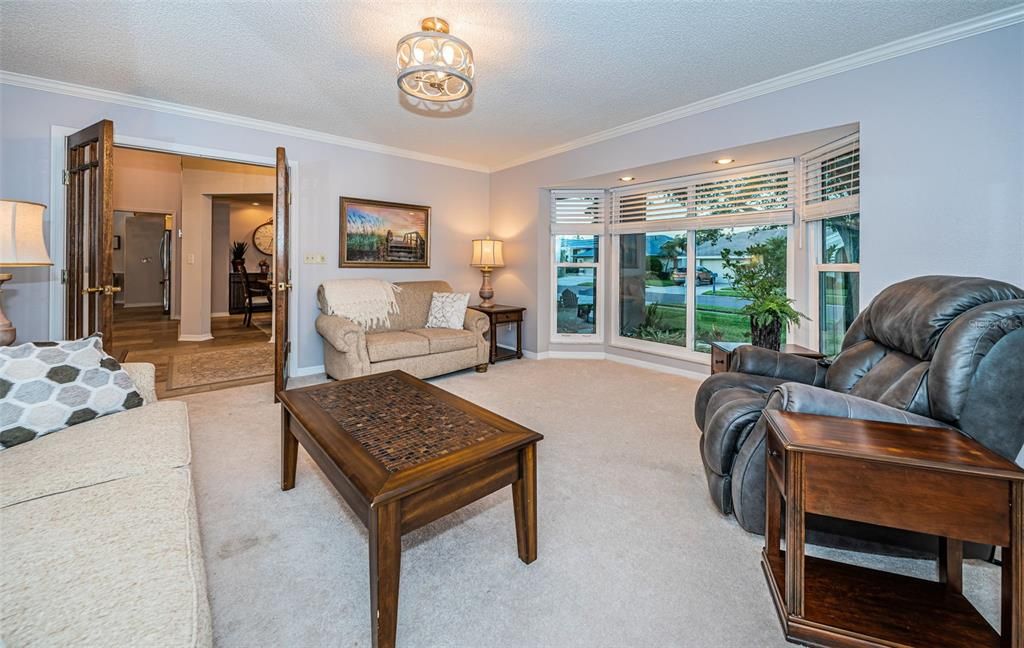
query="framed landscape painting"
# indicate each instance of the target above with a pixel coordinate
(377, 234)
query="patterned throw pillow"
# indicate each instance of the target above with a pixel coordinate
(448, 310)
(48, 386)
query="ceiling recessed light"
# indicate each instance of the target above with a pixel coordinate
(627, 178)
(724, 161)
(255, 204)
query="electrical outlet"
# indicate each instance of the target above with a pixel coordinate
(315, 258)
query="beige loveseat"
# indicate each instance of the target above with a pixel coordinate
(407, 344)
(99, 533)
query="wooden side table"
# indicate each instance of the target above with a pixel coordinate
(930, 480)
(721, 353)
(499, 314)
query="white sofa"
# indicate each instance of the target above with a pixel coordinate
(99, 533)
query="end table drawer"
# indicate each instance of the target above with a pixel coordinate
(776, 459)
(941, 504)
(507, 317)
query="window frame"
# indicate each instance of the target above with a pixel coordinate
(599, 301)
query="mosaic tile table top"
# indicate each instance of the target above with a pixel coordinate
(398, 423)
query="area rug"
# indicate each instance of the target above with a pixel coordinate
(631, 550)
(221, 366)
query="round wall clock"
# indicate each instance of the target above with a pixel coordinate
(263, 238)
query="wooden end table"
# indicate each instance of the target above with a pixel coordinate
(721, 353)
(931, 480)
(500, 314)
(404, 453)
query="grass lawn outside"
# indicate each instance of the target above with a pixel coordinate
(658, 283)
(725, 292)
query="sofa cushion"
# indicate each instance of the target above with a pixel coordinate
(413, 299)
(121, 445)
(443, 340)
(116, 564)
(447, 310)
(48, 386)
(391, 345)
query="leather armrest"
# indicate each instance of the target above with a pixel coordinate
(808, 399)
(476, 322)
(340, 332)
(785, 366)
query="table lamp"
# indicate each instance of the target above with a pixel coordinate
(487, 255)
(21, 245)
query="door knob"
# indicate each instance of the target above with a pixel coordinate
(86, 291)
(281, 287)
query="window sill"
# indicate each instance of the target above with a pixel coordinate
(652, 348)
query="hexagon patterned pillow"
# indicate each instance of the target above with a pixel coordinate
(48, 386)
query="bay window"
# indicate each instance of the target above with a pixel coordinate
(577, 228)
(831, 209)
(674, 293)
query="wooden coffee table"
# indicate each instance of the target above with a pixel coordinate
(404, 453)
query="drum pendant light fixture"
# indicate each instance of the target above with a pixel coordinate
(433, 65)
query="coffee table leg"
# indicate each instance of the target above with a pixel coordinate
(524, 500)
(385, 567)
(289, 451)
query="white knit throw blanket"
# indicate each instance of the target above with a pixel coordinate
(367, 302)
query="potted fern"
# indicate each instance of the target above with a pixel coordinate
(759, 275)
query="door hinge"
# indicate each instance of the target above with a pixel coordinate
(64, 276)
(289, 197)
(65, 177)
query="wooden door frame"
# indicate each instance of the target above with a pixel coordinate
(58, 215)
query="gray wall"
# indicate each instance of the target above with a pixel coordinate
(942, 176)
(459, 198)
(220, 266)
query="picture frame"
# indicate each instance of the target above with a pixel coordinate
(380, 234)
(117, 241)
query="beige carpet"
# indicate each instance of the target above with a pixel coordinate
(221, 366)
(631, 550)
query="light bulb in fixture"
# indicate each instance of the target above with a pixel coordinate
(724, 161)
(255, 204)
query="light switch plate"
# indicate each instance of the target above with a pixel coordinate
(315, 258)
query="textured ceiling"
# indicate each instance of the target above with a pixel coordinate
(547, 73)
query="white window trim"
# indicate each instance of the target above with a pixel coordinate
(687, 352)
(599, 292)
(814, 240)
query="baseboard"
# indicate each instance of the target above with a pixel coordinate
(601, 355)
(220, 314)
(142, 304)
(655, 366)
(307, 371)
(195, 338)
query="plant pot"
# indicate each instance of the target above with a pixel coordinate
(768, 336)
(238, 265)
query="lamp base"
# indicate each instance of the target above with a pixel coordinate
(486, 292)
(7, 331)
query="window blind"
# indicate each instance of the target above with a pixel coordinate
(831, 180)
(756, 195)
(578, 211)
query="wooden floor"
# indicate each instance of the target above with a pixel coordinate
(147, 335)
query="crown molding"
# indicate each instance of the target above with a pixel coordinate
(956, 31)
(134, 101)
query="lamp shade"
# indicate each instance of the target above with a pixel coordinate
(21, 234)
(487, 253)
